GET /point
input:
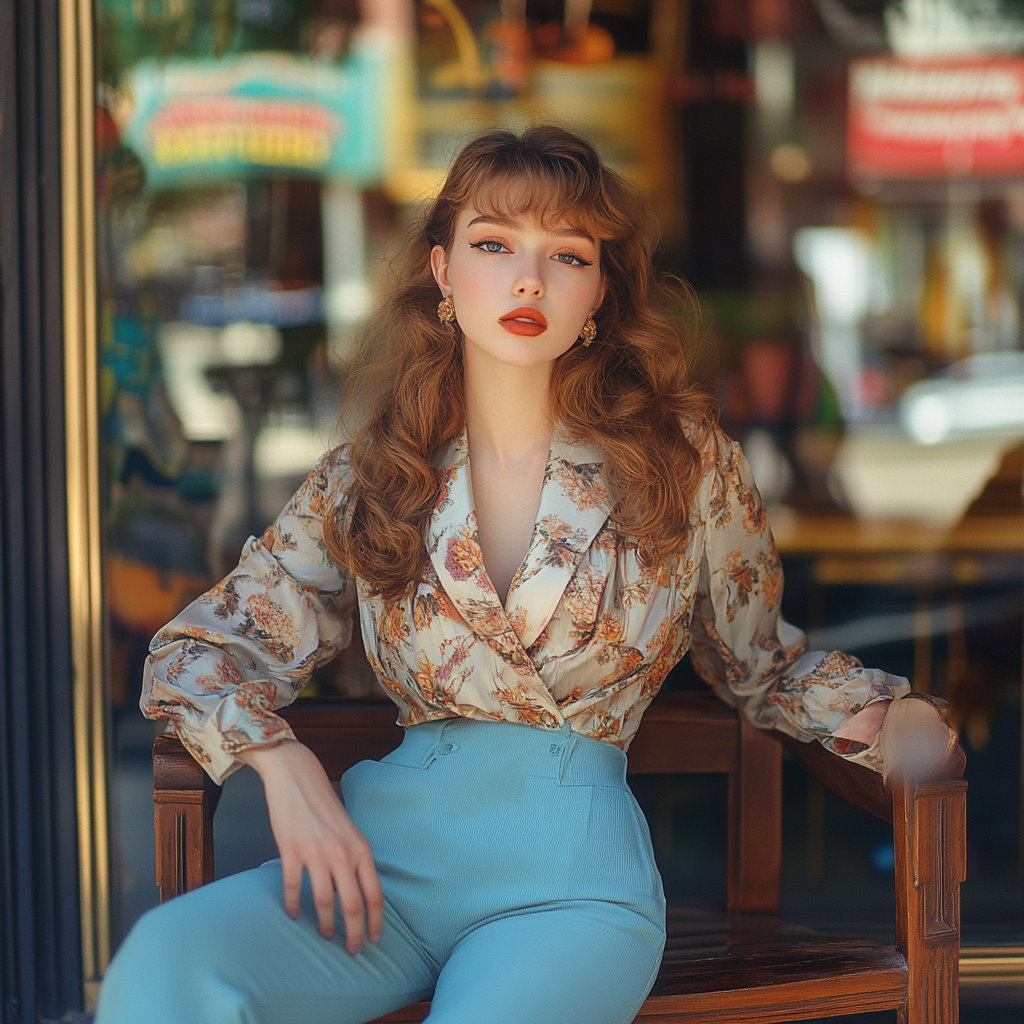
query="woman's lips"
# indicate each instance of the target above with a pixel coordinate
(525, 321)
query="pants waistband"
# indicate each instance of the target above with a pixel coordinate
(560, 754)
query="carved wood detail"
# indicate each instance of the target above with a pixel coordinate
(929, 821)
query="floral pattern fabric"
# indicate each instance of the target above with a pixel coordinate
(587, 633)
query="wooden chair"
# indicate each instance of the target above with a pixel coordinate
(744, 965)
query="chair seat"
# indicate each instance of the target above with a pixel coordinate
(727, 968)
(747, 967)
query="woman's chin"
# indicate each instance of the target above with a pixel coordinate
(523, 352)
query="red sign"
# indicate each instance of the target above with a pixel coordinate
(932, 118)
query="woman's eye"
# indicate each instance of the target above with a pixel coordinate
(489, 246)
(571, 259)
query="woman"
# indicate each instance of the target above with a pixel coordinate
(521, 618)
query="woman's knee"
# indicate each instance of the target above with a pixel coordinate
(200, 927)
(177, 963)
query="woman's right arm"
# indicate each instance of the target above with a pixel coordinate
(222, 667)
(313, 831)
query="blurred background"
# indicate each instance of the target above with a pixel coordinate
(842, 183)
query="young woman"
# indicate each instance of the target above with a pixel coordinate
(536, 520)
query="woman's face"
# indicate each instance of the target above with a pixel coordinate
(522, 289)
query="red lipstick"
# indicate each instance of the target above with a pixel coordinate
(524, 321)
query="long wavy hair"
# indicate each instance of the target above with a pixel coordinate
(627, 393)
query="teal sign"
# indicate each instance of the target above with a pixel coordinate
(257, 113)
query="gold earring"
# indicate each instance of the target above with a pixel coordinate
(589, 332)
(446, 312)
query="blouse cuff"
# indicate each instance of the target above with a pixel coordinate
(227, 732)
(832, 688)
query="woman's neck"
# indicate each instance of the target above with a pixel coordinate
(508, 414)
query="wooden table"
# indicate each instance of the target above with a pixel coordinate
(813, 535)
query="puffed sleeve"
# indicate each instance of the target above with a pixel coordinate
(222, 667)
(741, 645)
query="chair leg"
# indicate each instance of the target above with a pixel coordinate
(184, 799)
(930, 844)
(755, 824)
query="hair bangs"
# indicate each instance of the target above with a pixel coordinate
(513, 182)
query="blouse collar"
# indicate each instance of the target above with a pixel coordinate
(574, 506)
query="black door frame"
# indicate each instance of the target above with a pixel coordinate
(41, 975)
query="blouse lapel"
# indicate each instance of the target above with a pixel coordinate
(454, 546)
(454, 549)
(574, 505)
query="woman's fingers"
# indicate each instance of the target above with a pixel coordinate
(359, 891)
(916, 742)
(314, 833)
(366, 872)
(291, 874)
(354, 878)
(323, 886)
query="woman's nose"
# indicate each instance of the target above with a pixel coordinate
(529, 286)
(529, 283)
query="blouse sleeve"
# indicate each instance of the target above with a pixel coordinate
(220, 669)
(754, 659)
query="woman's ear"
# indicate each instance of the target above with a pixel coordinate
(439, 268)
(600, 294)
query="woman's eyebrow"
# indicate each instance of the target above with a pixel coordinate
(509, 222)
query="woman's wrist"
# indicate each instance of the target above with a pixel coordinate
(863, 727)
(266, 756)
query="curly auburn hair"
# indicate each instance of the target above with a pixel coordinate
(627, 394)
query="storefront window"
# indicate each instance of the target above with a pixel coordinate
(832, 182)
(873, 365)
(236, 145)
(256, 159)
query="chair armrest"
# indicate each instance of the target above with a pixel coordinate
(854, 783)
(930, 847)
(184, 799)
(858, 784)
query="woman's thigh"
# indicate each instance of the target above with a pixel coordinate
(228, 953)
(581, 962)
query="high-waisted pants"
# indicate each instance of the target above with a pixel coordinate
(520, 888)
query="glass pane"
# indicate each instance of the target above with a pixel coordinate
(236, 143)
(256, 160)
(874, 370)
(260, 159)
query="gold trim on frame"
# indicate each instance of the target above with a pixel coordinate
(81, 390)
(991, 965)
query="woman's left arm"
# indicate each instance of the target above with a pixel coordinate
(758, 662)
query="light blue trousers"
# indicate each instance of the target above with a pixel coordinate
(520, 888)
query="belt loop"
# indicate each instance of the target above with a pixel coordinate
(431, 754)
(569, 739)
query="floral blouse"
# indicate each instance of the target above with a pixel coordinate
(586, 636)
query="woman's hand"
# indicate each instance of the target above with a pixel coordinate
(863, 727)
(916, 742)
(915, 739)
(313, 831)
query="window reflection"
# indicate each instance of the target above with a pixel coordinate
(861, 323)
(236, 142)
